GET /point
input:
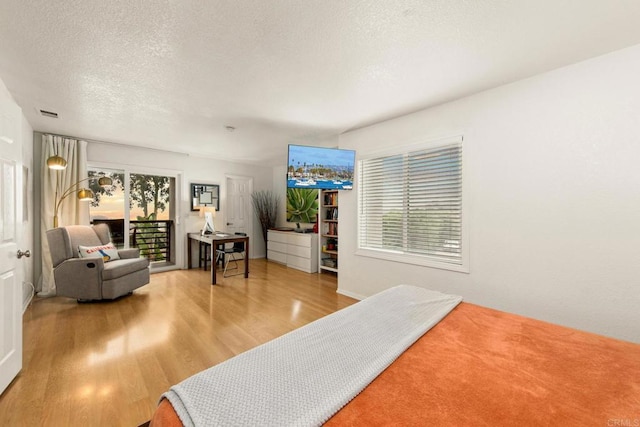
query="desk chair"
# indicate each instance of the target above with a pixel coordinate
(229, 255)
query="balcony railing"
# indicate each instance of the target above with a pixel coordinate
(153, 238)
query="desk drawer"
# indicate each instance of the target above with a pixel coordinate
(277, 246)
(299, 263)
(277, 236)
(297, 239)
(300, 251)
(277, 256)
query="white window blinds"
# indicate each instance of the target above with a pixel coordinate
(411, 203)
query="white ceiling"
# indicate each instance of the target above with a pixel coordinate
(172, 74)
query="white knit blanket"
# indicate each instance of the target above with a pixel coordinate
(304, 377)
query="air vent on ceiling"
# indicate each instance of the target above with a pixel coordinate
(49, 114)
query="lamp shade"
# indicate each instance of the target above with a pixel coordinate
(85, 194)
(56, 162)
(210, 209)
(105, 181)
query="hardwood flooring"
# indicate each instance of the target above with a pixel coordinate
(107, 363)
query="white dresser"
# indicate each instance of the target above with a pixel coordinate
(296, 250)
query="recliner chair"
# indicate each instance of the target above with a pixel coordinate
(93, 278)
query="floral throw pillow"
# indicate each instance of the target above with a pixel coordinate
(107, 252)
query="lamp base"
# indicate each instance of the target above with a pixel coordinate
(208, 227)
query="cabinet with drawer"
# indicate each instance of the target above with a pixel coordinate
(296, 250)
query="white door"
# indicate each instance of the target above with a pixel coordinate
(239, 204)
(11, 208)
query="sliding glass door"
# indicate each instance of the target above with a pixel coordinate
(139, 209)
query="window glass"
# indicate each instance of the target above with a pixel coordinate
(138, 210)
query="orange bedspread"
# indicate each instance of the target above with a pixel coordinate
(479, 366)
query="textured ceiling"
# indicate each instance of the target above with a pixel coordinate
(172, 74)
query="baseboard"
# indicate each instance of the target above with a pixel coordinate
(28, 292)
(350, 294)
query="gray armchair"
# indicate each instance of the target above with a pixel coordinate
(92, 278)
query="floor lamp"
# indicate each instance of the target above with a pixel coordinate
(58, 163)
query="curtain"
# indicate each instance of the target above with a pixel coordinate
(71, 210)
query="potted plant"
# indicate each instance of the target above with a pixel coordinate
(265, 204)
(331, 244)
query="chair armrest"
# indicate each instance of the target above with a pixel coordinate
(79, 278)
(129, 253)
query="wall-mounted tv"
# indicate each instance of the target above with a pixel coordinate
(320, 167)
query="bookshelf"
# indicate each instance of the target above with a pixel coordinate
(329, 231)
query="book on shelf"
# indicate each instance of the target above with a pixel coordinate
(332, 228)
(331, 199)
(332, 214)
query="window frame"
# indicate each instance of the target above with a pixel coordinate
(175, 208)
(416, 259)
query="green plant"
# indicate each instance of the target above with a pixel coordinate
(302, 205)
(146, 239)
(265, 204)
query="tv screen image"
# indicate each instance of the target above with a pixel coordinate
(320, 168)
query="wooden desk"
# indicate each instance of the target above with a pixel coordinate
(214, 240)
(204, 249)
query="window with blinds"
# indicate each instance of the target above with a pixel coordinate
(410, 204)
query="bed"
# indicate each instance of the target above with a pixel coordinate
(478, 366)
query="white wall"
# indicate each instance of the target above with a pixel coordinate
(280, 190)
(192, 170)
(554, 188)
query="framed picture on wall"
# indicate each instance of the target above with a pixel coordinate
(205, 195)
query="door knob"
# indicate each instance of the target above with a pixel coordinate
(229, 223)
(26, 253)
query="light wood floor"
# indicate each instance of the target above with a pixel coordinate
(108, 363)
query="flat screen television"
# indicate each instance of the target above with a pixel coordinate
(320, 168)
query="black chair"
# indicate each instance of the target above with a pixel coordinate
(229, 254)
